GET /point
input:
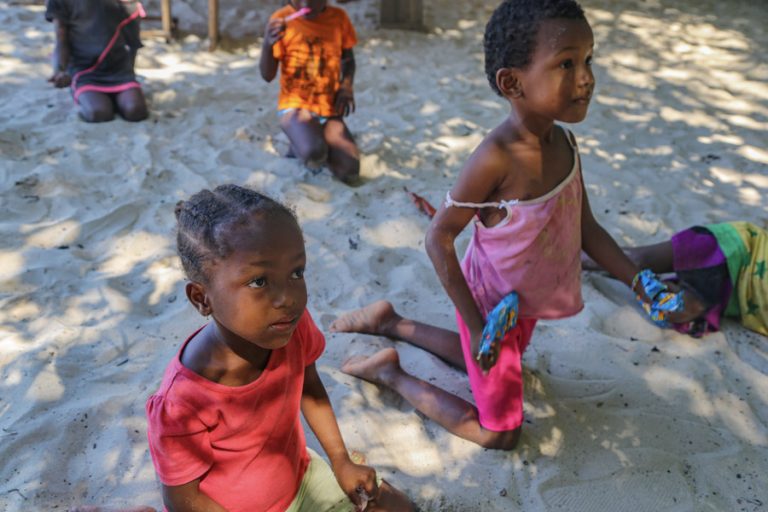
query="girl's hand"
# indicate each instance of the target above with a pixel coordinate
(275, 31)
(354, 479)
(487, 360)
(345, 101)
(60, 79)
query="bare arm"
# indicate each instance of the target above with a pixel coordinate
(274, 31)
(477, 181)
(60, 77)
(318, 412)
(188, 498)
(345, 96)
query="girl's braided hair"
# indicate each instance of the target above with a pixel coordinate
(203, 222)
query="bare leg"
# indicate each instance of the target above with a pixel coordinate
(343, 154)
(96, 107)
(380, 318)
(305, 134)
(657, 257)
(453, 413)
(131, 105)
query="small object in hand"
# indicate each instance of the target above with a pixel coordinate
(663, 301)
(500, 320)
(357, 457)
(364, 499)
(421, 203)
(298, 14)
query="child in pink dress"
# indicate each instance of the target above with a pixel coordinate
(522, 189)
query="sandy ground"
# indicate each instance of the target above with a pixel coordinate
(621, 416)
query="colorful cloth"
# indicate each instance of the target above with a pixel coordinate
(245, 443)
(310, 59)
(498, 393)
(745, 247)
(535, 251)
(500, 320)
(91, 26)
(663, 300)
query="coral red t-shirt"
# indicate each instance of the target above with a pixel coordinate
(310, 59)
(245, 443)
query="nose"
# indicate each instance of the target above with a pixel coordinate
(586, 77)
(282, 297)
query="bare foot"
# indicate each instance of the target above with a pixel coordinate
(376, 318)
(380, 368)
(88, 508)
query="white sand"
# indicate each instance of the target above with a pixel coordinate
(620, 415)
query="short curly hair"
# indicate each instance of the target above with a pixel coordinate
(510, 35)
(203, 223)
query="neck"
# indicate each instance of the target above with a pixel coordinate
(533, 129)
(237, 351)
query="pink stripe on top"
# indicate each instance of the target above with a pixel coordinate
(107, 89)
(535, 250)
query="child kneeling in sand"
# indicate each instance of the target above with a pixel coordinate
(312, 43)
(522, 189)
(96, 45)
(721, 269)
(224, 428)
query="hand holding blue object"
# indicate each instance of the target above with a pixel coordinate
(662, 300)
(499, 322)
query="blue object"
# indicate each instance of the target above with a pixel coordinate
(500, 321)
(663, 301)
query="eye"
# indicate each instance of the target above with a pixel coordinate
(566, 64)
(589, 61)
(298, 274)
(259, 282)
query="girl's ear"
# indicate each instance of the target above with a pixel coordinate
(197, 296)
(508, 82)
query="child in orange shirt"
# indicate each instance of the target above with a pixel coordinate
(314, 53)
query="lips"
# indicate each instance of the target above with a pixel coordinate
(284, 324)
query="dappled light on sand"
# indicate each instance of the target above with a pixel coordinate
(619, 414)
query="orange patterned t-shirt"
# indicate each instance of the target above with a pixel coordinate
(310, 59)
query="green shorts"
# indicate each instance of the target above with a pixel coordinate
(319, 491)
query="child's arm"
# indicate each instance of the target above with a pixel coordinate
(345, 97)
(60, 77)
(318, 412)
(188, 498)
(268, 65)
(480, 177)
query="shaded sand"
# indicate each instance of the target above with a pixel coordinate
(620, 415)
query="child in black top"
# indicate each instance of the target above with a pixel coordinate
(96, 45)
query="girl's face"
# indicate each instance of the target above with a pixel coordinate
(558, 82)
(257, 294)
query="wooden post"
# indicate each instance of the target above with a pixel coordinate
(406, 14)
(165, 16)
(213, 24)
